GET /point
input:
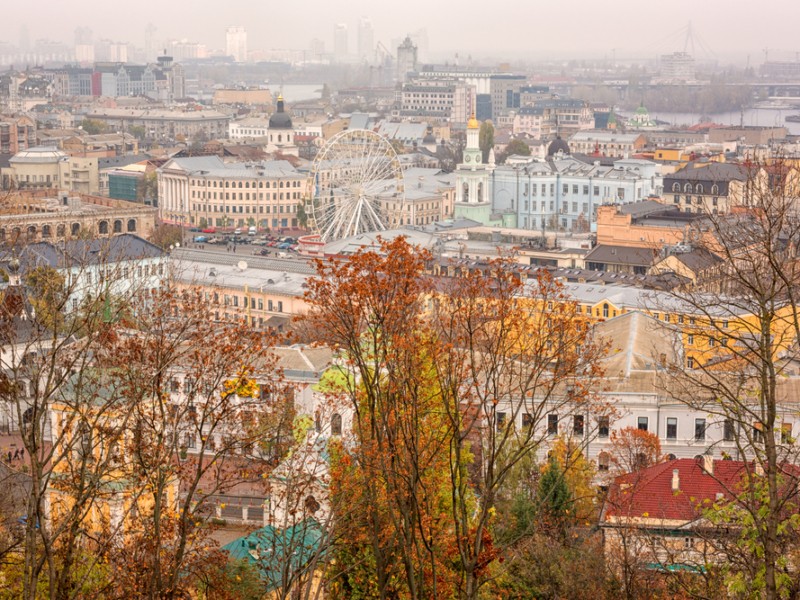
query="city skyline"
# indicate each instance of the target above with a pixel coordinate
(622, 30)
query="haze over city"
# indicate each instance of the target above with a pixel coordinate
(409, 301)
(726, 31)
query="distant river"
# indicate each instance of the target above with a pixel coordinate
(765, 117)
(296, 92)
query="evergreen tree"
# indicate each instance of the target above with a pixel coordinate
(554, 498)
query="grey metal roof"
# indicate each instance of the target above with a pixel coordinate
(119, 248)
(214, 166)
(623, 255)
(39, 154)
(254, 277)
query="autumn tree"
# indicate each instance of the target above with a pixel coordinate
(395, 470)
(93, 126)
(507, 354)
(165, 235)
(740, 363)
(58, 404)
(633, 449)
(203, 396)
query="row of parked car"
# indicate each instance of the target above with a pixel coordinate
(281, 243)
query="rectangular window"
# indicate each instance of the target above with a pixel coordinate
(786, 433)
(577, 425)
(699, 429)
(690, 339)
(728, 430)
(602, 427)
(672, 428)
(501, 420)
(552, 424)
(641, 423)
(565, 189)
(527, 420)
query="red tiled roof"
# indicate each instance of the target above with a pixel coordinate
(648, 493)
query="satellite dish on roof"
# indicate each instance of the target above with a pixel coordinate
(242, 265)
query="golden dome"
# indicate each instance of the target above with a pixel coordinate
(473, 123)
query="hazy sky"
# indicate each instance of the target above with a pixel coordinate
(517, 28)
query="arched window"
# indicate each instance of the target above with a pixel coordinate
(31, 233)
(676, 187)
(131, 225)
(102, 227)
(61, 230)
(75, 229)
(118, 226)
(698, 189)
(47, 231)
(336, 424)
(605, 311)
(465, 193)
(687, 188)
(714, 189)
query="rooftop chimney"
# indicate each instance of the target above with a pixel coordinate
(676, 481)
(708, 464)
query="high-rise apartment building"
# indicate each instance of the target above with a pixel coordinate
(236, 43)
(366, 39)
(340, 42)
(406, 59)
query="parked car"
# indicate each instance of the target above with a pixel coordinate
(251, 230)
(237, 231)
(210, 230)
(200, 238)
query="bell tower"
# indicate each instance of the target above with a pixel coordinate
(473, 199)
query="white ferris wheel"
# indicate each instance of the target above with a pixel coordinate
(356, 186)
